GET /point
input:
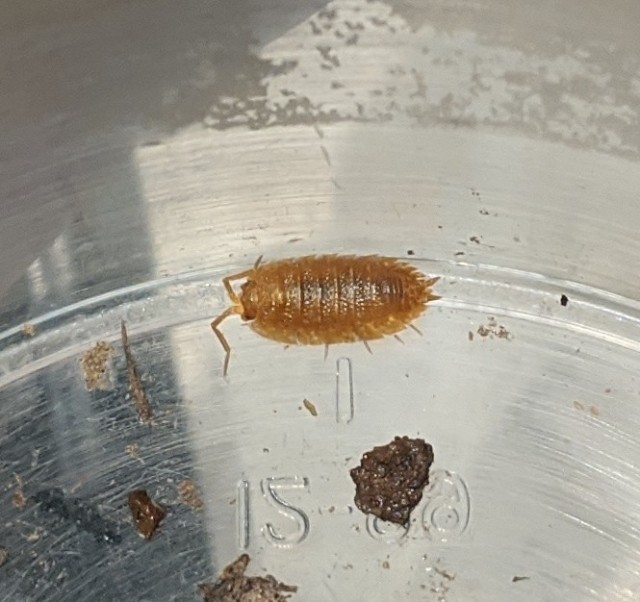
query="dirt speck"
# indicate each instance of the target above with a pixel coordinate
(190, 495)
(493, 330)
(19, 499)
(411, 252)
(29, 330)
(132, 450)
(386, 565)
(96, 366)
(440, 582)
(310, 407)
(470, 335)
(484, 212)
(35, 535)
(143, 407)
(593, 410)
(390, 479)
(564, 300)
(517, 578)
(234, 586)
(475, 239)
(147, 515)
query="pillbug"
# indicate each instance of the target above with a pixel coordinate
(327, 299)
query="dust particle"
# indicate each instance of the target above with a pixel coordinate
(411, 252)
(517, 578)
(564, 300)
(386, 565)
(132, 449)
(234, 586)
(310, 407)
(470, 335)
(19, 500)
(474, 239)
(143, 406)
(29, 330)
(594, 411)
(35, 536)
(493, 330)
(96, 364)
(190, 495)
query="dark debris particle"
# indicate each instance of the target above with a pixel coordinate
(234, 586)
(86, 516)
(391, 478)
(517, 578)
(411, 252)
(564, 300)
(147, 515)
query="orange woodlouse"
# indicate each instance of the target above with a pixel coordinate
(327, 299)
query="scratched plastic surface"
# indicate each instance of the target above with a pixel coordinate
(493, 147)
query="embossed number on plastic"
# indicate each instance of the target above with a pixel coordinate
(273, 489)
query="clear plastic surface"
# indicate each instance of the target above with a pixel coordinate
(487, 145)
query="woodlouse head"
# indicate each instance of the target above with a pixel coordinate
(249, 300)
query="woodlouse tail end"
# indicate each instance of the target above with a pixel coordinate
(429, 284)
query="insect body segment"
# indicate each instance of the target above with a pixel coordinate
(323, 300)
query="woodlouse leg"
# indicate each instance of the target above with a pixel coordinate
(397, 337)
(227, 284)
(416, 329)
(326, 351)
(257, 263)
(367, 346)
(223, 341)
